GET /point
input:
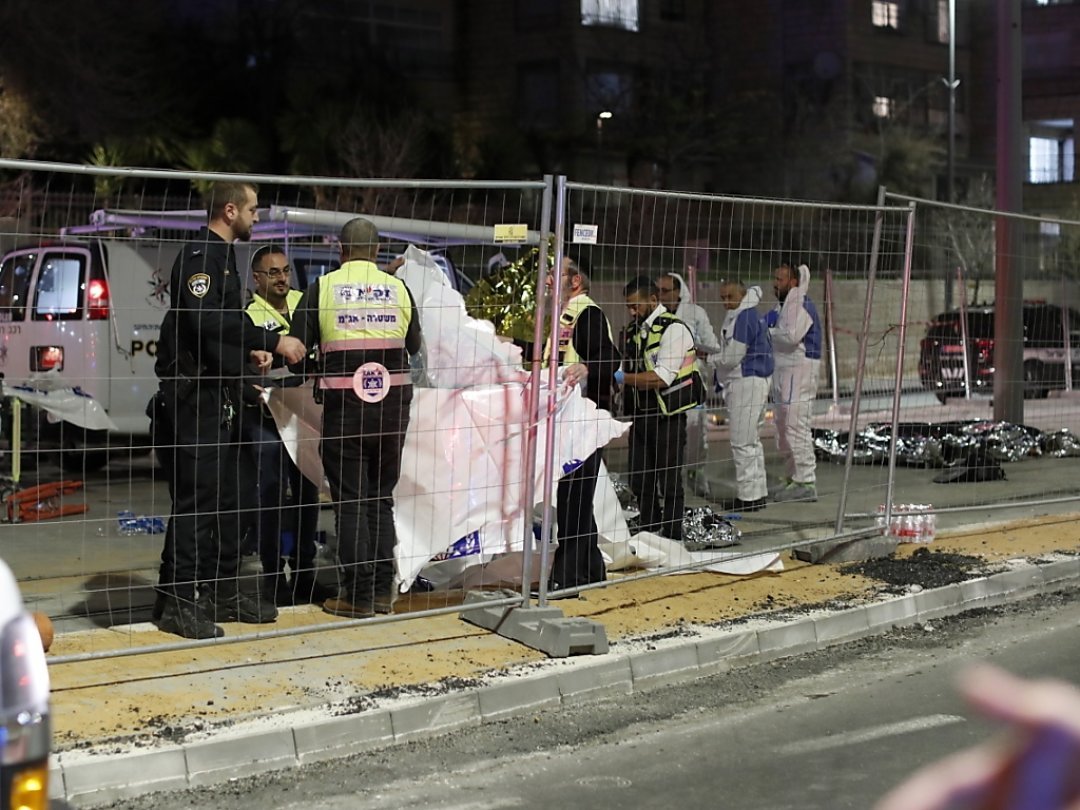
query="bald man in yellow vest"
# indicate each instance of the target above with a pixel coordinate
(365, 323)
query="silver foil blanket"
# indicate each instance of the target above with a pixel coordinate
(942, 444)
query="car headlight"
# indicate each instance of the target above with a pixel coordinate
(30, 787)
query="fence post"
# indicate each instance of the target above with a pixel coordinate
(553, 380)
(532, 407)
(966, 355)
(864, 337)
(905, 289)
(830, 320)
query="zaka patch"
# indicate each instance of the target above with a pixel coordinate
(199, 284)
(371, 382)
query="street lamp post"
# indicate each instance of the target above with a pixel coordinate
(601, 117)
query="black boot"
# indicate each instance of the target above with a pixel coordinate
(305, 589)
(185, 618)
(230, 604)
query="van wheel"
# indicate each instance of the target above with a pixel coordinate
(78, 453)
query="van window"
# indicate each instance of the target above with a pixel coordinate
(306, 271)
(15, 275)
(59, 293)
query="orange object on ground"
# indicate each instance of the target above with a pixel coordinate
(43, 502)
(45, 629)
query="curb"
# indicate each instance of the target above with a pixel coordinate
(86, 778)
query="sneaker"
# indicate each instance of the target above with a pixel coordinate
(739, 505)
(238, 607)
(775, 488)
(186, 619)
(341, 606)
(796, 492)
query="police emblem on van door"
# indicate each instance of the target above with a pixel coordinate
(199, 284)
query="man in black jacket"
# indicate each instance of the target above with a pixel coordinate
(206, 343)
(587, 354)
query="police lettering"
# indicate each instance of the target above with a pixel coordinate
(150, 347)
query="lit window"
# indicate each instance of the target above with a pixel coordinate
(943, 22)
(884, 106)
(1052, 152)
(885, 14)
(615, 13)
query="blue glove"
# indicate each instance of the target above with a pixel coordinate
(772, 318)
(620, 375)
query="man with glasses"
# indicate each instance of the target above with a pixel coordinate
(282, 511)
(675, 296)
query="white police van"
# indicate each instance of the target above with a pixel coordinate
(24, 704)
(81, 315)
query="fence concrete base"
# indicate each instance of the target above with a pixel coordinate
(838, 550)
(545, 629)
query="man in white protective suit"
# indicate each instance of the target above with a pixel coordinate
(674, 294)
(744, 364)
(796, 334)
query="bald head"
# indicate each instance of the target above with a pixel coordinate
(359, 240)
(731, 294)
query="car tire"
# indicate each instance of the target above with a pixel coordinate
(942, 397)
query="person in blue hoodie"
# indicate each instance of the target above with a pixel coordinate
(745, 364)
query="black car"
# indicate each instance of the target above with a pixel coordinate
(941, 355)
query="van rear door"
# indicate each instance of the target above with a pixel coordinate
(54, 317)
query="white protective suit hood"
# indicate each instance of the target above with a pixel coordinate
(750, 300)
(684, 290)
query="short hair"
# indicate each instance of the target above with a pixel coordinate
(223, 192)
(640, 285)
(793, 274)
(359, 237)
(266, 250)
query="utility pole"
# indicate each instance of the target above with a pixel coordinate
(1008, 279)
(950, 163)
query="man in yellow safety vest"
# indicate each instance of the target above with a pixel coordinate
(365, 323)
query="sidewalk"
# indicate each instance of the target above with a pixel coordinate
(166, 720)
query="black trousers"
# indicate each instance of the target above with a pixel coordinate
(577, 560)
(361, 453)
(657, 445)
(199, 454)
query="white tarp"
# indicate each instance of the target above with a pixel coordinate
(61, 402)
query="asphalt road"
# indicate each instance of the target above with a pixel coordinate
(833, 729)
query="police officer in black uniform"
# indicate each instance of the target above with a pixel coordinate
(206, 343)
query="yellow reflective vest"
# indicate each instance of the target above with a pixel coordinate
(364, 315)
(263, 314)
(567, 321)
(687, 390)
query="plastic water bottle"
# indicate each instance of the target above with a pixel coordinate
(126, 524)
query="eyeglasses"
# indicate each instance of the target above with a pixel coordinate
(277, 272)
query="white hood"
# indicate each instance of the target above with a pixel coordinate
(749, 301)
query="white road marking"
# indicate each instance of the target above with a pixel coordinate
(869, 734)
